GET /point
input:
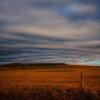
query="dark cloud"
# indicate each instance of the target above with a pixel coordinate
(49, 31)
(96, 46)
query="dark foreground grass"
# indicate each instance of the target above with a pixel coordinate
(49, 93)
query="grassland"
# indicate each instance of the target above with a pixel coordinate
(49, 82)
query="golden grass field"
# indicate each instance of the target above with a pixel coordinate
(18, 84)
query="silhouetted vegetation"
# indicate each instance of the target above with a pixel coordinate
(49, 93)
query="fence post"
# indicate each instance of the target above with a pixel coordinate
(81, 79)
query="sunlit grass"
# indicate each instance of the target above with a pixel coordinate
(50, 84)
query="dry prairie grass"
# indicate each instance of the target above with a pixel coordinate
(50, 84)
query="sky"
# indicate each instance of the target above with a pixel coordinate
(50, 31)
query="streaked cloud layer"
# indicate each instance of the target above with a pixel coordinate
(66, 31)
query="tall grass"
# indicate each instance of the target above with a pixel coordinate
(49, 93)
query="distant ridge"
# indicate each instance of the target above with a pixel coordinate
(39, 66)
(32, 66)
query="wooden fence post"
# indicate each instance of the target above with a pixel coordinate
(81, 79)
